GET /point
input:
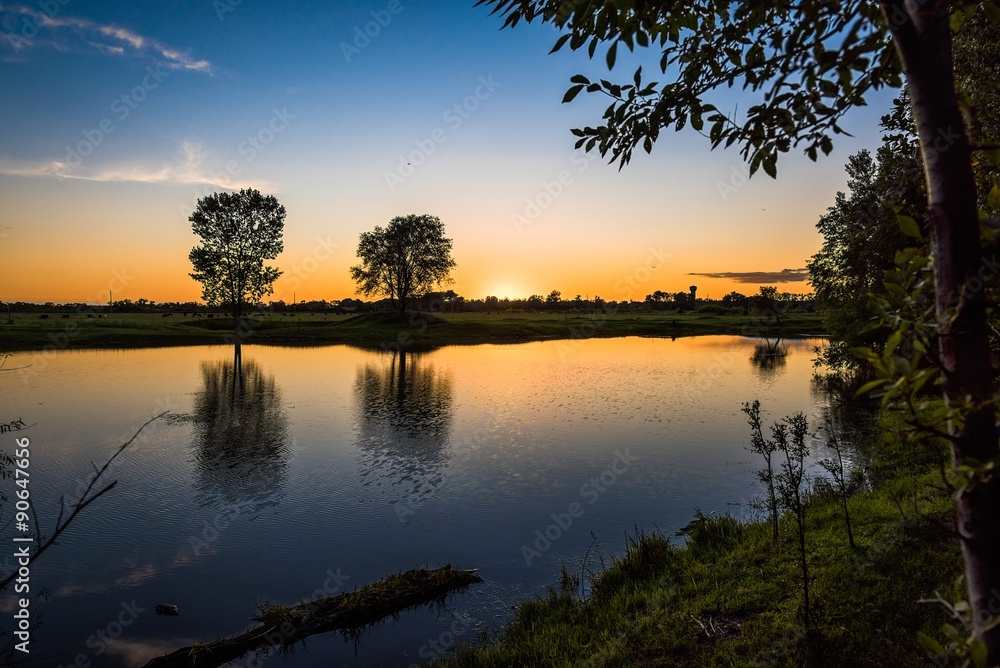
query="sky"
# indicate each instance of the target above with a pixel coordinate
(118, 117)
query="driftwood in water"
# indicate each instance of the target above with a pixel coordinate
(283, 627)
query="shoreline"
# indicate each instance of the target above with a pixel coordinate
(417, 332)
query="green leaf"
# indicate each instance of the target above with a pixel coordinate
(993, 199)
(863, 353)
(770, 166)
(869, 386)
(932, 646)
(893, 342)
(957, 20)
(572, 93)
(979, 654)
(612, 55)
(560, 42)
(908, 226)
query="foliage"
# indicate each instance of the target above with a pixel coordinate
(766, 449)
(862, 230)
(238, 232)
(839, 474)
(723, 598)
(860, 238)
(804, 64)
(790, 439)
(406, 259)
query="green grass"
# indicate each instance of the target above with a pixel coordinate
(732, 597)
(378, 330)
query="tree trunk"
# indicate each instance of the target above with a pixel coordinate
(922, 37)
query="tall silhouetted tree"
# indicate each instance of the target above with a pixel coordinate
(238, 232)
(807, 64)
(406, 259)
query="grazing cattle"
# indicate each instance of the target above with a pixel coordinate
(44, 316)
(166, 315)
(90, 315)
(65, 315)
(102, 316)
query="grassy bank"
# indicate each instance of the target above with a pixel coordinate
(732, 597)
(416, 331)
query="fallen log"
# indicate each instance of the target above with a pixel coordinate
(283, 626)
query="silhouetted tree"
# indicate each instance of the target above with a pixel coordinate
(737, 299)
(407, 258)
(238, 232)
(766, 301)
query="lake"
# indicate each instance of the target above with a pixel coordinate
(325, 468)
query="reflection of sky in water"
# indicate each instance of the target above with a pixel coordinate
(261, 491)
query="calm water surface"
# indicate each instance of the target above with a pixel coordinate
(323, 465)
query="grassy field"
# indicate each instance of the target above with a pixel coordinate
(377, 330)
(731, 596)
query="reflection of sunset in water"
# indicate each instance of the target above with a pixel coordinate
(260, 483)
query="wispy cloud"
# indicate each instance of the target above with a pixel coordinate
(190, 167)
(760, 277)
(23, 28)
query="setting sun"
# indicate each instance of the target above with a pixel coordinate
(500, 290)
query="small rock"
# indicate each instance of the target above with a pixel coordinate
(167, 609)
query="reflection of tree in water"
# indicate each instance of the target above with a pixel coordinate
(241, 447)
(769, 358)
(404, 420)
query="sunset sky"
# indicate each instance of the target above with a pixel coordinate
(119, 116)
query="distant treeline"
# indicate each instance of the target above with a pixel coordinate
(768, 298)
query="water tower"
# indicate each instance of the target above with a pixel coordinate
(694, 289)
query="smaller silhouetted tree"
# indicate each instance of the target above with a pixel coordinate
(405, 259)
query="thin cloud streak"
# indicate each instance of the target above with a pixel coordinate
(188, 169)
(69, 33)
(759, 277)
